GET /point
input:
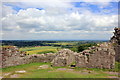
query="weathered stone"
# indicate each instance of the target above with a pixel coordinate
(115, 40)
(64, 57)
(11, 56)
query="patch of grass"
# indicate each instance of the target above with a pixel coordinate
(116, 69)
(23, 67)
(32, 71)
(61, 74)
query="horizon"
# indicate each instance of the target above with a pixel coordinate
(54, 40)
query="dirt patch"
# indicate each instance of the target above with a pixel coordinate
(14, 76)
(112, 73)
(64, 69)
(61, 69)
(23, 71)
(44, 67)
(1, 77)
(86, 72)
(6, 74)
(112, 76)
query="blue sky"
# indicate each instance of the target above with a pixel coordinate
(113, 7)
(59, 20)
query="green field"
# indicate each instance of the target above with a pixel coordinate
(64, 43)
(40, 49)
(33, 71)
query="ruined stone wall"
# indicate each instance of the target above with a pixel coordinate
(97, 57)
(11, 56)
(115, 40)
(102, 56)
(64, 57)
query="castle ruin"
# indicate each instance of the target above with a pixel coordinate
(101, 56)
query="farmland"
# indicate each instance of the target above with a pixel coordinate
(40, 49)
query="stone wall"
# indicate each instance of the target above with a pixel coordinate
(102, 56)
(11, 56)
(99, 57)
(64, 57)
(115, 40)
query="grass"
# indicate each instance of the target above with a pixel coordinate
(40, 49)
(32, 71)
(116, 69)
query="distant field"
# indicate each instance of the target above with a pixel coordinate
(40, 49)
(64, 43)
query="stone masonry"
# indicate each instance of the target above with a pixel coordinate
(11, 56)
(95, 57)
(102, 56)
(64, 57)
(115, 40)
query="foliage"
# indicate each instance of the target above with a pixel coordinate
(82, 47)
(32, 43)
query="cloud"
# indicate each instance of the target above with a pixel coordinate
(60, 0)
(59, 22)
(7, 10)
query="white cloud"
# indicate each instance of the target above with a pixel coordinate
(7, 10)
(57, 22)
(60, 0)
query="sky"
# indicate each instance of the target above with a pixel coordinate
(58, 20)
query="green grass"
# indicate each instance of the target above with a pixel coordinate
(24, 66)
(61, 74)
(116, 69)
(53, 72)
(40, 50)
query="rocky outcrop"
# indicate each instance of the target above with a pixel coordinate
(115, 40)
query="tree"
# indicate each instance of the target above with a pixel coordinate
(81, 48)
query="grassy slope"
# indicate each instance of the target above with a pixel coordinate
(33, 72)
(39, 50)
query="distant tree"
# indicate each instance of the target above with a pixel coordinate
(81, 48)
